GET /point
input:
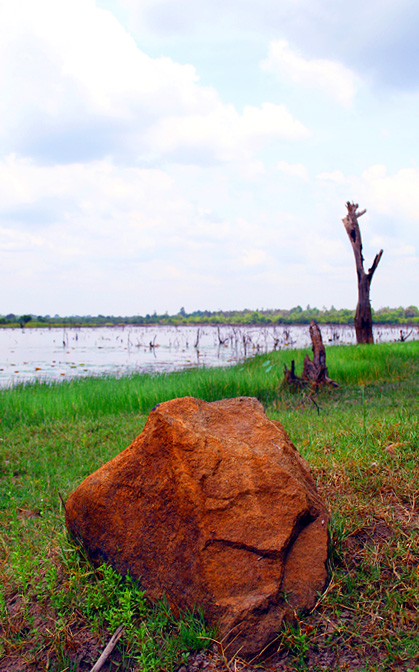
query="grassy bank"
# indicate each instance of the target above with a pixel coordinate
(362, 442)
(260, 377)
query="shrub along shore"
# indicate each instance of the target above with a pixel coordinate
(297, 316)
(361, 440)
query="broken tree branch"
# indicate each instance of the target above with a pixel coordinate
(375, 263)
(290, 377)
(108, 650)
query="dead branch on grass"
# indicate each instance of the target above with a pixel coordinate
(108, 649)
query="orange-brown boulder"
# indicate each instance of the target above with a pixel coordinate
(213, 506)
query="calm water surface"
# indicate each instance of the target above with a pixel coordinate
(59, 354)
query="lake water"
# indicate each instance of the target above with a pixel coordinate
(60, 354)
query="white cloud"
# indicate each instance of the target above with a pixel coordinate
(396, 195)
(256, 257)
(298, 170)
(331, 77)
(155, 182)
(76, 86)
(70, 62)
(99, 213)
(393, 195)
(335, 176)
(85, 231)
(95, 209)
(223, 134)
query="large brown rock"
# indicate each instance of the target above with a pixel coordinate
(213, 506)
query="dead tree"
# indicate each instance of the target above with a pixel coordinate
(315, 370)
(363, 315)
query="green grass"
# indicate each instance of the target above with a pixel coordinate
(362, 443)
(39, 402)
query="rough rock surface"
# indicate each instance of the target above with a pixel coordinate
(212, 505)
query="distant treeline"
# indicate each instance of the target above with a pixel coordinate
(296, 315)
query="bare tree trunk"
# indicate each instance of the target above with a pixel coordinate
(363, 316)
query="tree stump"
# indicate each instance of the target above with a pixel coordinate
(315, 370)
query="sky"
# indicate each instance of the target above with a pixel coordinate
(159, 154)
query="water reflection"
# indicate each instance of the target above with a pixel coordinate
(59, 354)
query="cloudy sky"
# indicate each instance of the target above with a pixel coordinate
(164, 153)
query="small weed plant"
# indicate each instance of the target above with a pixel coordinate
(65, 610)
